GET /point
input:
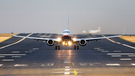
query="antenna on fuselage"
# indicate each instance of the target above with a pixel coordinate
(68, 21)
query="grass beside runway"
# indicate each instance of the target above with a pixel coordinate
(5, 36)
(128, 38)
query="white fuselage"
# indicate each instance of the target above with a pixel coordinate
(66, 32)
(91, 31)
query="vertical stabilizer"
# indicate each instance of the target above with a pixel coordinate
(124, 31)
(68, 21)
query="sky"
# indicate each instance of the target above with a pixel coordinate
(50, 16)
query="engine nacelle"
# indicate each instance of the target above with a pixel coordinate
(82, 42)
(50, 42)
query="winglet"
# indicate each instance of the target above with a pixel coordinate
(68, 21)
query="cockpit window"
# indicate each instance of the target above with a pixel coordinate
(66, 32)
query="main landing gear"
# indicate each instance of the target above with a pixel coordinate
(57, 47)
(76, 47)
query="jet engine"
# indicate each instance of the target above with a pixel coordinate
(82, 42)
(50, 42)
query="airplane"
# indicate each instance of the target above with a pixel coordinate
(67, 39)
(92, 31)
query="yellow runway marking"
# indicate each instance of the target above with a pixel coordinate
(75, 72)
(73, 64)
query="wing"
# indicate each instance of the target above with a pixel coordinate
(96, 38)
(37, 38)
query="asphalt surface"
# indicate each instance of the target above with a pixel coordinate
(108, 57)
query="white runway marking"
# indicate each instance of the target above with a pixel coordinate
(115, 55)
(16, 56)
(15, 42)
(128, 46)
(48, 64)
(35, 48)
(120, 53)
(2, 56)
(117, 51)
(7, 59)
(133, 64)
(21, 65)
(104, 51)
(118, 42)
(125, 59)
(131, 55)
(66, 72)
(12, 54)
(116, 64)
(1, 64)
(66, 66)
(15, 51)
(121, 44)
(96, 48)
(67, 69)
(100, 49)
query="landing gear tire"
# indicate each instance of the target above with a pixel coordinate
(77, 47)
(57, 47)
(74, 47)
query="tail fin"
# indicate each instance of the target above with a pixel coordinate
(98, 28)
(68, 21)
(124, 31)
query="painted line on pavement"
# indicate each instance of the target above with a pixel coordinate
(15, 42)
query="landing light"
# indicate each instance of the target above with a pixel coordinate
(63, 43)
(59, 39)
(69, 43)
(74, 39)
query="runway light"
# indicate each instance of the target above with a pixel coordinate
(69, 43)
(59, 39)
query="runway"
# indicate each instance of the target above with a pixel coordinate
(113, 57)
